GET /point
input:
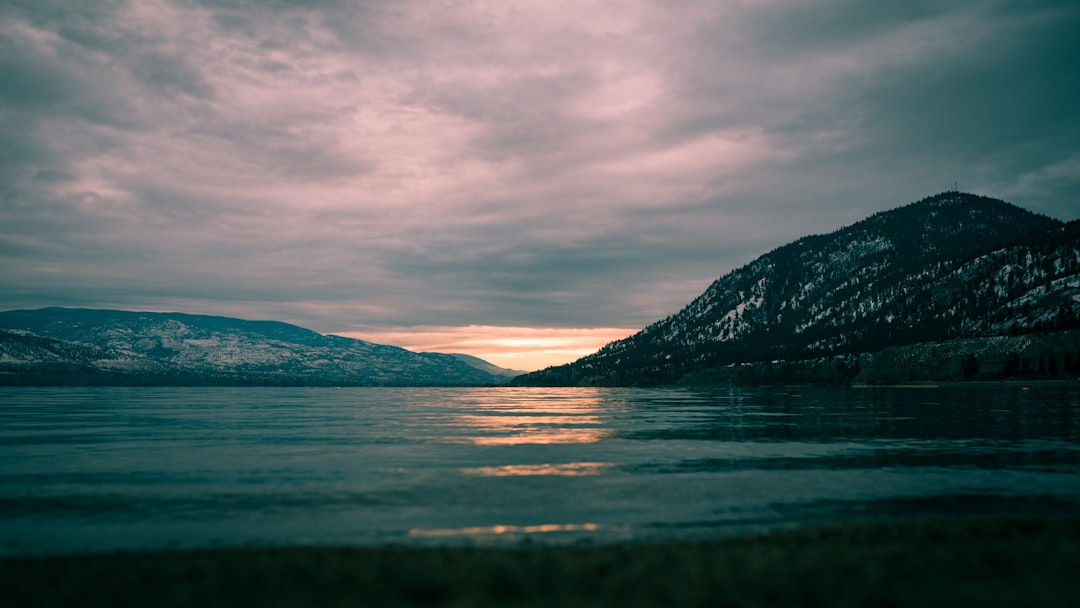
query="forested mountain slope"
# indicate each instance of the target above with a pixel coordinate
(950, 266)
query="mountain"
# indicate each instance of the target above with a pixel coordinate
(951, 266)
(491, 368)
(84, 346)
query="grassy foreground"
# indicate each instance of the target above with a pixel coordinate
(945, 562)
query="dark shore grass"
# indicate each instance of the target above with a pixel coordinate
(942, 562)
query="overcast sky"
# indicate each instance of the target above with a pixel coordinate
(500, 178)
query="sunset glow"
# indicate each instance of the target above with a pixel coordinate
(521, 348)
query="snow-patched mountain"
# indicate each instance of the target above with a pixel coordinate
(954, 265)
(64, 345)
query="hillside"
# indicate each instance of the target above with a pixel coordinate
(951, 266)
(491, 368)
(82, 346)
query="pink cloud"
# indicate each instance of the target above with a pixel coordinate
(536, 166)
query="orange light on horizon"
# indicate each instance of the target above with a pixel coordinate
(521, 348)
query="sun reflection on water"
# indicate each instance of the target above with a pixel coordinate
(506, 530)
(572, 469)
(558, 417)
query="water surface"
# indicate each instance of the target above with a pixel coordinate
(98, 469)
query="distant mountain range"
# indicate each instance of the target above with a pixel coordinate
(88, 346)
(951, 267)
(955, 286)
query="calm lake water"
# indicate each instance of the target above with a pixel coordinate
(98, 469)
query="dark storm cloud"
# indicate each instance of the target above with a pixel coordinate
(992, 105)
(552, 164)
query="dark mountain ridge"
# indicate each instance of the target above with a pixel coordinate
(950, 266)
(93, 346)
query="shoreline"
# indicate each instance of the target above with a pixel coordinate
(970, 561)
(962, 383)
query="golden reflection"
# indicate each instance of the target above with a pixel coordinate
(500, 530)
(572, 469)
(517, 430)
(531, 416)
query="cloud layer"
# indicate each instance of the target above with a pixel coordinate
(378, 168)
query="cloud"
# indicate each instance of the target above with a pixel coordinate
(559, 165)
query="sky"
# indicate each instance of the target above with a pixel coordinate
(523, 181)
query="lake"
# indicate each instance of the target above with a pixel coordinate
(101, 469)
